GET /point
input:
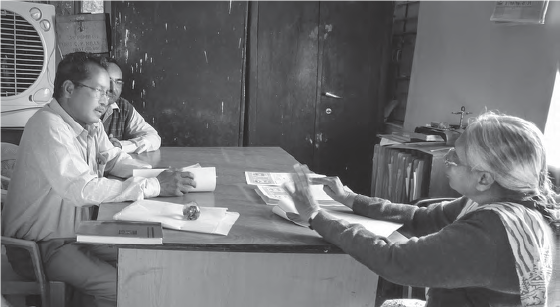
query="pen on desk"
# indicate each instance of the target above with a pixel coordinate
(101, 162)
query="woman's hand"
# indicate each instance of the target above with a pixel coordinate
(301, 194)
(334, 188)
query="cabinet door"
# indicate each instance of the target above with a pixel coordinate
(283, 76)
(303, 51)
(354, 41)
(183, 67)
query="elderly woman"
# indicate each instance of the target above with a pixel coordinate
(490, 247)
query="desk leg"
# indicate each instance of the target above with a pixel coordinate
(202, 278)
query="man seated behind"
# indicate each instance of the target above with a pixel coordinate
(58, 176)
(125, 127)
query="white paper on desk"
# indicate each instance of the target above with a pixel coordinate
(266, 178)
(378, 227)
(272, 194)
(205, 177)
(212, 220)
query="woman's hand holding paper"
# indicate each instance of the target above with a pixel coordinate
(301, 194)
(334, 188)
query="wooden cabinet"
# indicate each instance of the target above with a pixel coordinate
(317, 80)
(306, 76)
(183, 66)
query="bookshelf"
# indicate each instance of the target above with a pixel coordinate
(404, 172)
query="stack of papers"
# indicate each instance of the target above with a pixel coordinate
(212, 220)
(269, 186)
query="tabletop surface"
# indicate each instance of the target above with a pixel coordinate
(258, 229)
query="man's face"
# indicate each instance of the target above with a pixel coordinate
(87, 102)
(115, 74)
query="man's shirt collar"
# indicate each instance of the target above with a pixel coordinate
(55, 107)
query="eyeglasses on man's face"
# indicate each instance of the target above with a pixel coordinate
(98, 93)
(118, 82)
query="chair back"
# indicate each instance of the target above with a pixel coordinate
(15, 284)
(8, 155)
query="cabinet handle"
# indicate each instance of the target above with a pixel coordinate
(329, 94)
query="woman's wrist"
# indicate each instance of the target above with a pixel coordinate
(312, 216)
(349, 199)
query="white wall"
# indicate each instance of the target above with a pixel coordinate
(462, 58)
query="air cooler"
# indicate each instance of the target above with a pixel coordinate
(27, 60)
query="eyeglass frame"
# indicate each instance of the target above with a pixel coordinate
(118, 82)
(98, 91)
(449, 163)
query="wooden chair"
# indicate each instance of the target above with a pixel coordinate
(51, 293)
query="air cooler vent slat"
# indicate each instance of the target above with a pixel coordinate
(22, 56)
(28, 64)
(31, 40)
(21, 68)
(20, 28)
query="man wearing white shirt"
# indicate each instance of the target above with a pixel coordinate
(59, 175)
(125, 127)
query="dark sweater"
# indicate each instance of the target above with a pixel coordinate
(467, 262)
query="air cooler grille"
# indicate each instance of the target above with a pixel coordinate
(22, 56)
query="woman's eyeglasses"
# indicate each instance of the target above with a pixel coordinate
(99, 93)
(452, 159)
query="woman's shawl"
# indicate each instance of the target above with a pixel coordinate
(530, 243)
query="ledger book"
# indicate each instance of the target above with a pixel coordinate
(120, 232)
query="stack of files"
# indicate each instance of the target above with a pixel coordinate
(399, 174)
(269, 186)
(212, 220)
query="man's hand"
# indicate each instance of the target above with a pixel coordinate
(301, 194)
(174, 182)
(141, 147)
(334, 188)
(115, 142)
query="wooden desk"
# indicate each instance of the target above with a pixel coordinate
(264, 261)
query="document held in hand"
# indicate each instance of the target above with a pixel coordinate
(119, 232)
(205, 177)
(287, 210)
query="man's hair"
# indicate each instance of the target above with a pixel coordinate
(111, 60)
(75, 67)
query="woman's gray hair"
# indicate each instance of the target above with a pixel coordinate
(513, 151)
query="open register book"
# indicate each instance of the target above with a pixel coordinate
(212, 220)
(287, 210)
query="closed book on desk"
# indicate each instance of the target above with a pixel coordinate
(120, 232)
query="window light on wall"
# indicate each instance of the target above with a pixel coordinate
(552, 127)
